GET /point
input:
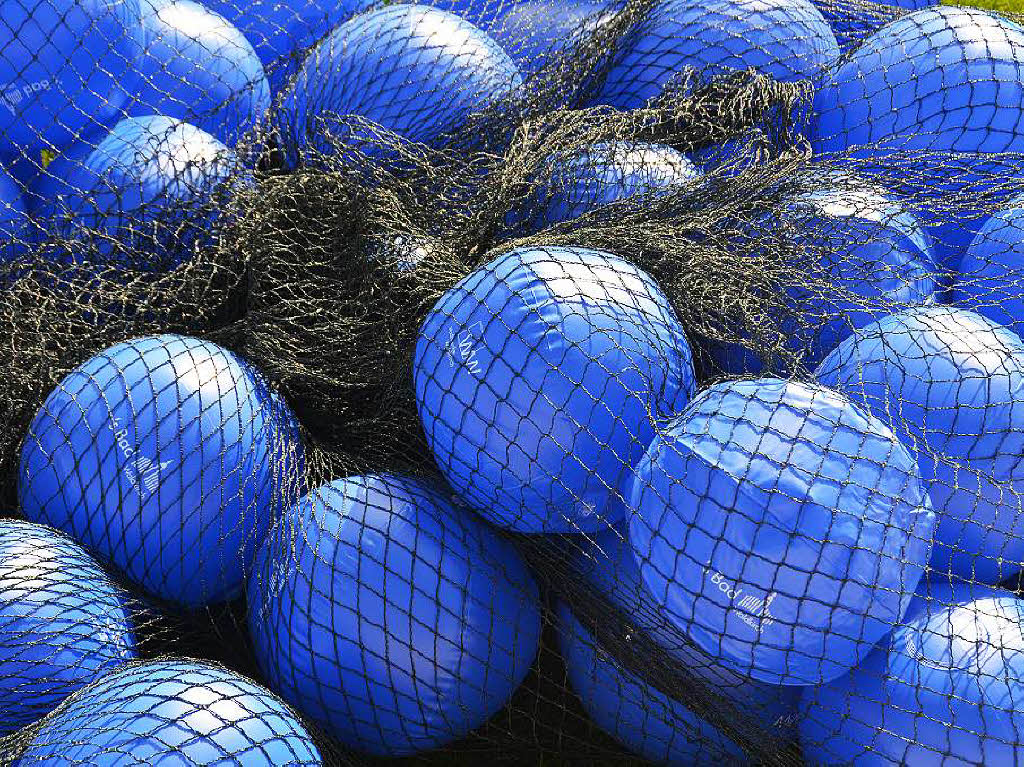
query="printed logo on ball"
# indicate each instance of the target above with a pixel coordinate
(753, 610)
(14, 94)
(141, 471)
(463, 348)
(785, 721)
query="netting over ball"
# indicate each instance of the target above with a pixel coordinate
(158, 453)
(179, 710)
(63, 622)
(784, 529)
(558, 381)
(393, 617)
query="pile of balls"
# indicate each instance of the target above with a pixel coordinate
(149, 477)
(120, 120)
(826, 551)
(771, 535)
(379, 605)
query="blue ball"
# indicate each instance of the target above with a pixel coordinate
(395, 619)
(63, 623)
(868, 256)
(638, 715)
(538, 379)
(198, 68)
(939, 80)
(950, 384)
(173, 712)
(604, 561)
(990, 277)
(282, 31)
(787, 40)
(945, 688)
(158, 455)
(143, 197)
(410, 69)
(573, 184)
(68, 66)
(16, 234)
(782, 528)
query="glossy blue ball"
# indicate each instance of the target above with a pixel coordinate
(573, 184)
(173, 712)
(787, 40)
(392, 617)
(198, 68)
(950, 384)
(866, 256)
(67, 68)
(413, 70)
(158, 454)
(63, 623)
(538, 379)
(780, 527)
(944, 688)
(142, 197)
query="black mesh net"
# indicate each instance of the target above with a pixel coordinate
(536, 382)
